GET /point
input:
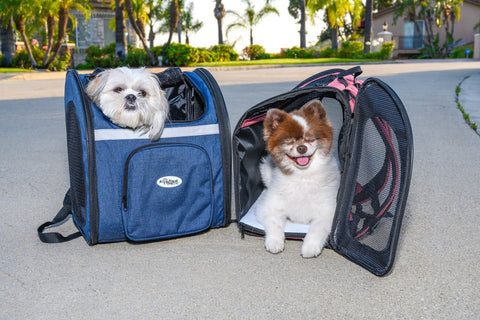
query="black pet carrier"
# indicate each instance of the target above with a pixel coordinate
(375, 153)
(125, 187)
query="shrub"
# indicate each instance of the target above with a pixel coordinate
(327, 53)
(21, 60)
(102, 58)
(351, 49)
(256, 52)
(181, 55)
(386, 50)
(137, 58)
(205, 55)
(296, 52)
(62, 62)
(224, 52)
(459, 52)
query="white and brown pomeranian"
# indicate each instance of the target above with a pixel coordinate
(131, 98)
(300, 175)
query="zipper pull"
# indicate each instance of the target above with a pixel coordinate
(124, 203)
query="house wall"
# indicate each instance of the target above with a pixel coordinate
(463, 29)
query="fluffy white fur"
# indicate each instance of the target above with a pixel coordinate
(296, 189)
(131, 98)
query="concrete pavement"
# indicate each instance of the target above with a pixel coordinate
(217, 275)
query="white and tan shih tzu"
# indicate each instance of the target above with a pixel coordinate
(131, 98)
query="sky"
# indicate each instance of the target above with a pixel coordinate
(273, 33)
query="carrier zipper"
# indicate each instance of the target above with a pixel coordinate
(224, 136)
(92, 176)
(125, 173)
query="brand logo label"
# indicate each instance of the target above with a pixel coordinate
(169, 182)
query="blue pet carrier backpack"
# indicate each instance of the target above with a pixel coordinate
(374, 151)
(125, 187)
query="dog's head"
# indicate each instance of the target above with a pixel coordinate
(293, 139)
(131, 98)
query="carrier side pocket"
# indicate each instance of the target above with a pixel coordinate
(167, 191)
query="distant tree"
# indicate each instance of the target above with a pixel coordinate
(137, 18)
(297, 8)
(336, 12)
(64, 7)
(120, 28)
(368, 25)
(188, 24)
(250, 17)
(7, 38)
(18, 12)
(174, 14)
(219, 13)
(382, 4)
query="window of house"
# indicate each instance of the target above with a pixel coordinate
(413, 36)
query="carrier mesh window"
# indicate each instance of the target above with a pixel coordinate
(381, 172)
(75, 160)
(376, 189)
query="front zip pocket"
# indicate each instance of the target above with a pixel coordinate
(167, 191)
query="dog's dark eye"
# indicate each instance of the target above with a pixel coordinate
(142, 93)
(118, 89)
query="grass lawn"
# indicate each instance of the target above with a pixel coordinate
(11, 70)
(279, 61)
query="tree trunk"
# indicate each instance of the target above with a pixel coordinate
(20, 25)
(8, 41)
(220, 34)
(129, 8)
(179, 31)
(335, 38)
(368, 26)
(120, 28)
(62, 31)
(50, 32)
(173, 19)
(219, 13)
(303, 40)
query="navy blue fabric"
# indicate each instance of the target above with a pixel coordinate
(194, 206)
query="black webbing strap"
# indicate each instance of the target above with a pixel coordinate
(62, 216)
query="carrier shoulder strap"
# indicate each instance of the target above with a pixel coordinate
(62, 216)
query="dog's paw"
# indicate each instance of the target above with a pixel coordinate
(311, 250)
(274, 245)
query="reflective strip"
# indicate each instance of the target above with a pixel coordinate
(127, 134)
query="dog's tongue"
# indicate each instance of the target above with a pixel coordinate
(302, 161)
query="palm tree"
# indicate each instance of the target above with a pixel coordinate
(174, 14)
(17, 11)
(336, 11)
(368, 25)
(250, 18)
(137, 18)
(219, 13)
(294, 8)
(120, 38)
(188, 24)
(7, 38)
(64, 6)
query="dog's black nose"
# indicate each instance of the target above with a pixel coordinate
(130, 98)
(302, 149)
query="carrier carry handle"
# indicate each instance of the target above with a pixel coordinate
(62, 216)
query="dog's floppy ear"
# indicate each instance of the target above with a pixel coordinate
(315, 109)
(272, 120)
(95, 86)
